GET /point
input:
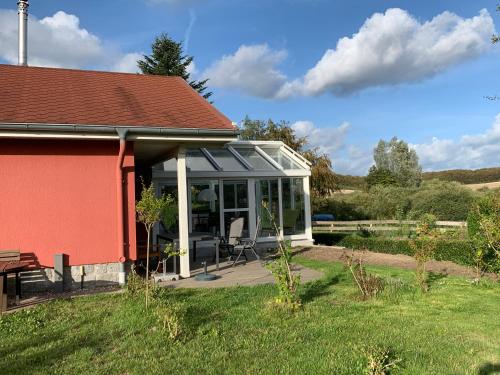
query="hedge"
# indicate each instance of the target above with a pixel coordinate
(457, 251)
(329, 239)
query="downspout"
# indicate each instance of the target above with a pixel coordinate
(122, 133)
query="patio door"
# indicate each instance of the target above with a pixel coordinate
(235, 203)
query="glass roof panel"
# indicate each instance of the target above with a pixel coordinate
(226, 160)
(279, 157)
(196, 161)
(255, 159)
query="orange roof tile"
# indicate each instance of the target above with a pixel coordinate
(80, 97)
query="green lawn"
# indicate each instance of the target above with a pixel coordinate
(453, 329)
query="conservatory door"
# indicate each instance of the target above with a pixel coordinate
(235, 203)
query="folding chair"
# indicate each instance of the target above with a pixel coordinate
(234, 238)
(249, 245)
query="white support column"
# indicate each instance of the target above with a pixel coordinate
(221, 207)
(280, 201)
(251, 208)
(182, 192)
(307, 204)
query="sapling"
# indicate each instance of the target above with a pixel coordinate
(150, 209)
(424, 246)
(286, 280)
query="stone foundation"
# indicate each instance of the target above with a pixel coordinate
(74, 278)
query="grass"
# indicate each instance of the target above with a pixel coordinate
(453, 329)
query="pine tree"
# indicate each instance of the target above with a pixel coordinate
(167, 59)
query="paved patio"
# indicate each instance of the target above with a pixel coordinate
(253, 272)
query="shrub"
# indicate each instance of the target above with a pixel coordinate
(135, 283)
(483, 225)
(380, 360)
(339, 206)
(171, 316)
(368, 285)
(445, 200)
(329, 239)
(456, 251)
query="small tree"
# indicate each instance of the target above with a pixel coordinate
(286, 281)
(424, 246)
(150, 210)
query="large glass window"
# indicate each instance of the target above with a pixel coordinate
(266, 192)
(293, 206)
(255, 159)
(235, 204)
(205, 213)
(196, 161)
(279, 157)
(226, 159)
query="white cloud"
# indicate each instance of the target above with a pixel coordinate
(390, 48)
(470, 151)
(474, 151)
(353, 161)
(395, 48)
(127, 63)
(192, 69)
(189, 30)
(251, 69)
(60, 41)
(328, 140)
(346, 159)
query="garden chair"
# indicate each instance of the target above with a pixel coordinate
(235, 233)
(249, 245)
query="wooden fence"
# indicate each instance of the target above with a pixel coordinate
(378, 225)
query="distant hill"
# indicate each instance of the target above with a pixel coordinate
(464, 176)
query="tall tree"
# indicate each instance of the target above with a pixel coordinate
(323, 179)
(395, 163)
(167, 58)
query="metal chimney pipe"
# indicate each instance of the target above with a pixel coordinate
(22, 10)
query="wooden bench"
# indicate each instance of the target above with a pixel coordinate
(10, 262)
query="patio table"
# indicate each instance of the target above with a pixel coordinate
(194, 237)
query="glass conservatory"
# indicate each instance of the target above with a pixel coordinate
(232, 181)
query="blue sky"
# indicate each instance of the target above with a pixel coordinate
(415, 70)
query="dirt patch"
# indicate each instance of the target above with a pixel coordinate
(335, 253)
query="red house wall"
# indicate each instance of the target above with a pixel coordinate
(59, 196)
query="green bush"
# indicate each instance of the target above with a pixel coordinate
(341, 209)
(329, 239)
(483, 227)
(445, 200)
(456, 251)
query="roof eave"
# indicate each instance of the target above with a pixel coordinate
(112, 130)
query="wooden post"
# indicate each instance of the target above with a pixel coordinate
(3, 294)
